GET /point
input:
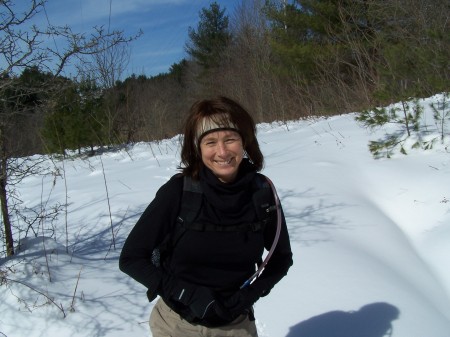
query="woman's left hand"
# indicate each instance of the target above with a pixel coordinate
(199, 299)
(238, 303)
(201, 302)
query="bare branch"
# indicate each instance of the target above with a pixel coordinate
(60, 307)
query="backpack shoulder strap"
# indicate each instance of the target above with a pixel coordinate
(191, 201)
(262, 199)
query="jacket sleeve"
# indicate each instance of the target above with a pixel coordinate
(150, 230)
(280, 261)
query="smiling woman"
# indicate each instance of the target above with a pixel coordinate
(220, 114)
(199, 243)
(222, 153)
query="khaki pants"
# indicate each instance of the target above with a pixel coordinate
(164, 322)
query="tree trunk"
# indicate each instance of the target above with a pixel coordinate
(9, 241)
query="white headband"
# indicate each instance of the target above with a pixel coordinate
(207, 125)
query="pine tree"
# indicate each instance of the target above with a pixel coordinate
(211, 37)
(77, 120)
(312, 36)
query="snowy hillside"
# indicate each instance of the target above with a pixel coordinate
(371, 239)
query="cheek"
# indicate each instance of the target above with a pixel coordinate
(204, 155)
(241, 150)
(240, 154)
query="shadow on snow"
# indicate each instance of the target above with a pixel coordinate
(372, 320)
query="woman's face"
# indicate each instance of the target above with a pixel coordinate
(222, 153)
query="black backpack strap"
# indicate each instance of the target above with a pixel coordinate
(191, 201)
(263, 200)
(191, 204)
(251, 227)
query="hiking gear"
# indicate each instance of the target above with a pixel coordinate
(240, 302)
(220, 261)
(275, 240)
(191, 204)
(199, 299)
(198, 304)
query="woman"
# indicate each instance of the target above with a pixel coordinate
(199, 241)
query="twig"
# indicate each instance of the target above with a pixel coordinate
(109, 206)
(72, 309)
(66, 205)
(153, 153)
(117, 230)
(43, 234)
(60, 307)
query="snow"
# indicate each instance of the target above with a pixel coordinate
(371, 238)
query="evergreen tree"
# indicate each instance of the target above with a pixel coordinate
(58, 131)
(414, 53)
(77, 120)
(397, 49)
(211, 37)
(309, 34)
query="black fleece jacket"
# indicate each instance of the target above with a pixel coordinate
(221, 261)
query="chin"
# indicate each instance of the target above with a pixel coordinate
(227, 178)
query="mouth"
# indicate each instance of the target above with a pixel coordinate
(224, 162)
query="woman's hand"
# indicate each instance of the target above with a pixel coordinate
(237, 304)
(200, 300)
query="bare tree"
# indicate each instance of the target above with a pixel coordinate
(108, 65)
(22, 47)
(107, 68)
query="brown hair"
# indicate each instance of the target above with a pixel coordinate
(215, 109)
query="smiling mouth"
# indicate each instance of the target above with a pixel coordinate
(224, 162)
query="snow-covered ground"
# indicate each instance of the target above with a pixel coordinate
(371, 239)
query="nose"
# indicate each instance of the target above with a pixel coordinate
(221, 148)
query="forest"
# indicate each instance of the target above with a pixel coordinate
(283, 60)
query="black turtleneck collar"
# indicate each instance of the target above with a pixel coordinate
(231, 198)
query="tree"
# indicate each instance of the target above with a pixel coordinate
(246, 73)
(414, 55)
(211, 37)
(362, 50)
(77, 119)
(21, 48)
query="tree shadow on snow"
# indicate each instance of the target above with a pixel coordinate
(372, 320)
(311, 217)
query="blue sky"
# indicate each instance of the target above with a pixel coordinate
(164, 24)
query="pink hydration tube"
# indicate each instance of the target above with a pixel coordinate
(275, 240)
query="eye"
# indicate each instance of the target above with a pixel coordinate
(209, 142)
(230, 140)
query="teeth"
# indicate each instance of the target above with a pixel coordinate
(224, 162)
